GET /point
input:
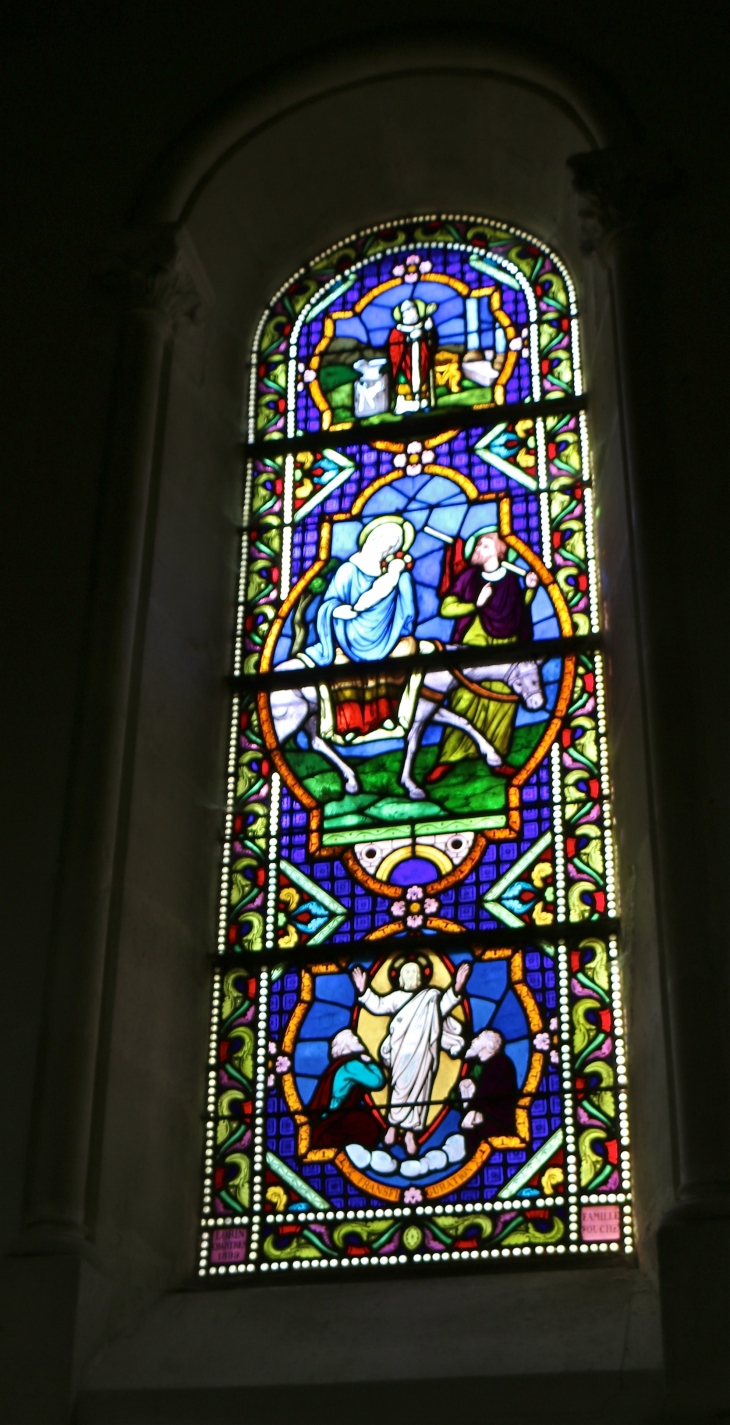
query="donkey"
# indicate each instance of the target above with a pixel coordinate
(295, 708)
(523, 678)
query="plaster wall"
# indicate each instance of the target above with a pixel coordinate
(471, 1327)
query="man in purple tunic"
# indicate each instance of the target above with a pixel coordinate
(489, 605)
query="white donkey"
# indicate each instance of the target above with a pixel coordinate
(524, 680)
(294, 708)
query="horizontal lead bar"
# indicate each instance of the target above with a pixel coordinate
(440, 661)
(506, 937)
(411, 427)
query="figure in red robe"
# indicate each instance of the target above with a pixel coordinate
(411, 347)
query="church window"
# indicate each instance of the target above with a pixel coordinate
(416, 1051)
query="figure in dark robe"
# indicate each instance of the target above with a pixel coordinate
(337, 1112)
(490, 1092)
(489, 605)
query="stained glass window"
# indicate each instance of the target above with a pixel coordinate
(416, 1051)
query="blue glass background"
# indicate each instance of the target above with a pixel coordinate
(491, 1001)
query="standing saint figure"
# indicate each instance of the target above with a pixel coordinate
(367, 614)
(411, 346)
(489, 605)
(421, 1023)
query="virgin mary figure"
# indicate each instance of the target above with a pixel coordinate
(368, 614)
(369, 604)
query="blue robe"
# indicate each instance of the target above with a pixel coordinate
(370, 635)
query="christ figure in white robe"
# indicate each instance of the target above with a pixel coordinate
(421, 1023)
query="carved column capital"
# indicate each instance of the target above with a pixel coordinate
(619, 188)
(156, 272)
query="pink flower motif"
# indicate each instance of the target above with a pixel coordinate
(542, 1041)
(412, 267)
(413, 921)
(415, 893)
(272, 1046)
(283, 1064)
(270, 1081)
(413, 1194)
(430, 905)
(398, 909)
(554, 1056)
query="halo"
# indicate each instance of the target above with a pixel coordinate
(421, 960)
(470, 543)
(424, 309)
(409, 533)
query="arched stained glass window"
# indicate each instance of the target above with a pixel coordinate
(416, 1049)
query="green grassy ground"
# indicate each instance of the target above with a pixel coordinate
(467, 789)
(341, 397)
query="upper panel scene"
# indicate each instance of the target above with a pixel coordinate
(415, 318)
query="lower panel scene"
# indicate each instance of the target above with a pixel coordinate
(417, 1105)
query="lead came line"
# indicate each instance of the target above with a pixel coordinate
(413, 427)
